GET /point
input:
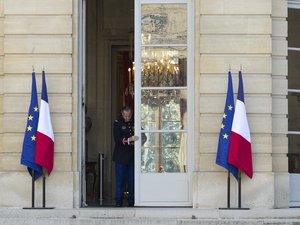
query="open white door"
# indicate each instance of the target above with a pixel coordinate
(164, 102)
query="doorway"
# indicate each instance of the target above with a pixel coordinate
(160, 88)
(109, 55)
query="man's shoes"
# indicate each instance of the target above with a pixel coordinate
(130, 205)
(118, 204)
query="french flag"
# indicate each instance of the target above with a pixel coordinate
(240, 154)
(44, 155)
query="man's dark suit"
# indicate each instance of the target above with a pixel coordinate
(124, 160)
(124, 151)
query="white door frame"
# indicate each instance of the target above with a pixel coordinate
(81, 101)
(190, 93)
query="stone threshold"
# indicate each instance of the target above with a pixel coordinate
(292, 214)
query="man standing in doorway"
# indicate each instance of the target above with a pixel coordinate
(124, 156)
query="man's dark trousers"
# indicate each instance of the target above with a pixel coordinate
(123, 172)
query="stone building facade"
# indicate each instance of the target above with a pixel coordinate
(47, 33)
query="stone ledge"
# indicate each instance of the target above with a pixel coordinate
(152, 212)
(118, 221)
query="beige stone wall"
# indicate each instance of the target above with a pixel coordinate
(44, 33)
(39, 33)
(234, 32)
(1, 73)
(280, 103)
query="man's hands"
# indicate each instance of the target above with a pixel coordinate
(133, 138)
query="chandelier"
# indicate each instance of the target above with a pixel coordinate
(131, 80)
(162, 72)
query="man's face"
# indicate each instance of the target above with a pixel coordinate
(126, 115)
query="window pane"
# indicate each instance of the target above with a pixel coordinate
(163, 67)
(163, 110)
(294, 28)
(294, 70)
(164, 152)
(294, 111)
(164, 24)
(294, 153)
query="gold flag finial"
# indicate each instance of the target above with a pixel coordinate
(32, 68)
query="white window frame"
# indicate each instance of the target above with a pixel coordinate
(294, 4)
(294, 177)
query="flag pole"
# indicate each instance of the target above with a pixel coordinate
(44, 190)
(228, 189)
(239, 191)
(44, 193)
(33, 194)
(40, 146)
(32, 190)
(228, 175)
(239, 194)
(223, 145)
(240, 177)
(228, 192)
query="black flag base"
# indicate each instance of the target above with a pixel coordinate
(38, 208)
(239, 194)
(33, 194)
(234, 208)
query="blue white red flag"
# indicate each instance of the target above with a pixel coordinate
(240, 154)
(29, 142)
(224, 137)
(45, 138)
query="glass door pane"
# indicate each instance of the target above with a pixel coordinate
(164, 153)
(163, 110)
(162, 54)
(164, 24)
(164, 66)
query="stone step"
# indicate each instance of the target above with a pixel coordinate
(149, 216)
(143, 221)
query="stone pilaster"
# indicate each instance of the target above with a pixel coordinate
(232, 32)
(280, 104)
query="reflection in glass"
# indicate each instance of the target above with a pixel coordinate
(294, 153)
(163, 67)
(294, 112)
(163, 109)
(293, 27)
(294, 83)
(294, 68)
(164, 24)
(164, 152)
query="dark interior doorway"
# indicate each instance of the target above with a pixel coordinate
(109, 55)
